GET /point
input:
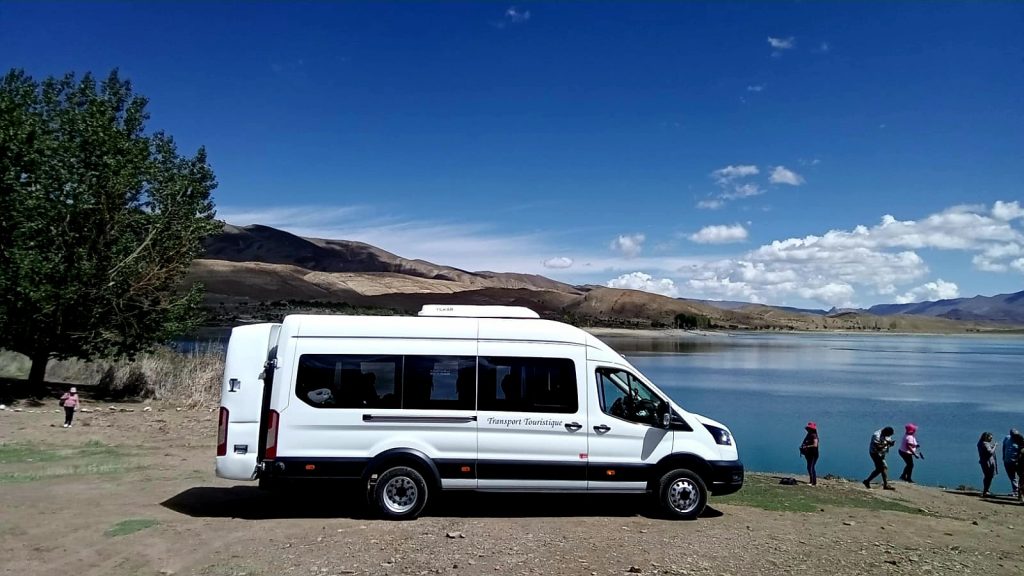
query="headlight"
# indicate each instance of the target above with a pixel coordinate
(721, 435)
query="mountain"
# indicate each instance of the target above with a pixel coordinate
(1002, 308)
(257, 272)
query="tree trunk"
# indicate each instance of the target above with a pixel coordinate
(37, 374)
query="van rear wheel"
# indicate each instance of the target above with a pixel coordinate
(682, 494)
(400, 493)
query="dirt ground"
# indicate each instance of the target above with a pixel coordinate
(133, 493)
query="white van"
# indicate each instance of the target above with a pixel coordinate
(460, 398)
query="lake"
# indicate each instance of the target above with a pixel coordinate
(766, 387)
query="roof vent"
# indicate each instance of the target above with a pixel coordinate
(453, 311)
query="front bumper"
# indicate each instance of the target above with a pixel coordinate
(726, 476)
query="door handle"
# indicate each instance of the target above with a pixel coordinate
(602, 428)
(573, 426)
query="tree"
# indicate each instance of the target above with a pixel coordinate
(99, 221)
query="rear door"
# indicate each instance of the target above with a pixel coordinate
(242, 400)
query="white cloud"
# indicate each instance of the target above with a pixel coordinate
(831, 268)
(823, 48)
(720, 234)
(726, 175)
(782, 43)
(742, 191)
(710, 204)
(783, 175)
(937, 290)
(558, 262)
(1007, 211)
(755, 88)
(516, 15)
(645, 282)
(630, 245)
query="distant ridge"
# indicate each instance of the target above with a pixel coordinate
(255, 273)
(1002, 308)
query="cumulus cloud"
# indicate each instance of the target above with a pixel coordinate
(930, 291)
(832, 267)
(726, 175)
(720, 234)
(783, 175)
(558, 262)
(755, 88)
(645, 282)
(629, 245)
(782, 43)
(1007, 211)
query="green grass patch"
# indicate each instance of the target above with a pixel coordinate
(25, 462)
(766, 493)
(131, 526)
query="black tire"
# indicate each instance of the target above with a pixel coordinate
(400, 493)
(682, 494)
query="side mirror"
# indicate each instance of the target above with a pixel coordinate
(665, 414)
(666, 420)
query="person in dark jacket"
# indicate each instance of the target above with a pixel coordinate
(1011, 451)
(987, 459)
(809, 450)
(881, 441)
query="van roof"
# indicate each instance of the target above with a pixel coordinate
(466, 311)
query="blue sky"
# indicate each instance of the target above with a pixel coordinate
(809, 154)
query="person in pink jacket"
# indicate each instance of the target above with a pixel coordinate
(909, 449)
(70, 402)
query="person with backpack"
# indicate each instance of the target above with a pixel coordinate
(809, 450)
(881, 441)
(1018, 441)
(70, 402)
(909, 449)
(1011, 456)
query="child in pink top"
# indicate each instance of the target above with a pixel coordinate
(70, 402)
(909, 449)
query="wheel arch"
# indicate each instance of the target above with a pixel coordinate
(410, 457)
(691, 462)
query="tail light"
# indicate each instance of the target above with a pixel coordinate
(222, 432)
(272, 419)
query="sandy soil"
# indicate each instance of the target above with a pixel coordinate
(64, 494)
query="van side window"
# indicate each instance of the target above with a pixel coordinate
(349, 381)
(439, 383)
(528, 385)
(625, 396)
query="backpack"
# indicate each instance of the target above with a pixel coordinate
(62, 400)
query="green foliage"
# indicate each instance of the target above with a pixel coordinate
(697, 321)
(99, 221)
(125, 527)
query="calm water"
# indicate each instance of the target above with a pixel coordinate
(766, 388)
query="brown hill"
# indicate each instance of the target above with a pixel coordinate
(258, 272)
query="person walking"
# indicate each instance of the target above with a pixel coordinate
(1011, 456)
(987, 459)
(881, 441)
(809, 450)
(909, 449)
(70, 402)
(1018, 441)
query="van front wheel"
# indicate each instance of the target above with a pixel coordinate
(400, 493)
(682, 494)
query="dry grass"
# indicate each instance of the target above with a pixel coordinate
(187, 379)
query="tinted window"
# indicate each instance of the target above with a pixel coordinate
(348, 381)
(439, 382)
(528, 384)
(414, 382)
